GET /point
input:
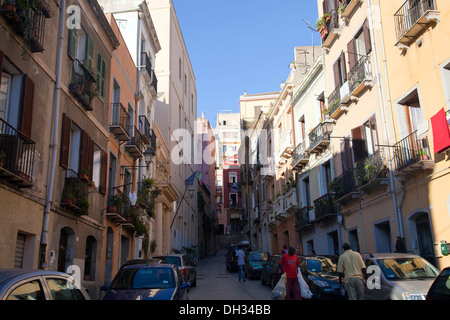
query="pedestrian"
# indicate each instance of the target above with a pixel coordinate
(285, 250)
(290, 263)
(241, 262)
(352, 269)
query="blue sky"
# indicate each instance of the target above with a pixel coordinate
(245, 45)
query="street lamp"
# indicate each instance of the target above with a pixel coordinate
(148, 158)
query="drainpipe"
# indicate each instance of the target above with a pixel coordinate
(398, 219)
(53, 146)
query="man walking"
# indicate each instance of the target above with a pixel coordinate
(290, 262)
(351, 267)
(241, 262)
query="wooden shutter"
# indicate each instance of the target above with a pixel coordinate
(104, 172)
(65, 141)
(352, 58)
(86, 153)
(346, 156)
(326, 9)
(337, 75)
(27, 106)
(343, 67)
(73, 40)
(359, 144)
(367, 41)
(89, 54)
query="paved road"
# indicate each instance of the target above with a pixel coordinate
(214, 282)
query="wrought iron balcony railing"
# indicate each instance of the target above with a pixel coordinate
(120, 122)
(318, 139)
(334, 100)
(147, 64)
(410, 13)
(302, 218)
(83, 84)
(16, 156)
(411, 151)
(344, 184)
(325, 206)
(300, 157)
(135, 145)
(359, 74)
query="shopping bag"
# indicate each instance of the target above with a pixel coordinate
(279, 291)
(304, 288)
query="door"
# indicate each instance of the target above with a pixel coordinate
(425, 238)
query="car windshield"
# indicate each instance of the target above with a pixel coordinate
(320, 265)
(144, 278)
(258, 256)
(407, 268)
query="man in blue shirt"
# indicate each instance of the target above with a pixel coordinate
(241, 262)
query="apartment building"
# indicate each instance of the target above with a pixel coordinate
(415, 62)
(227, 138)
(176, 114)
(27, 75)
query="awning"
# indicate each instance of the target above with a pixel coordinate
(441, 132)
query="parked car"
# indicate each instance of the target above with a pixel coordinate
(183, 263)
(231, 260)
(254, 263)
(322, 278)
(140, 261)
(23, 284)
(271, 272)
(147, 282)
(440, 289)
(402, 276)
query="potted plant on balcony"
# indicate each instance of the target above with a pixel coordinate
(9, 5)
(422, 154)
(68, 196)
(83, 204)
(321, 25)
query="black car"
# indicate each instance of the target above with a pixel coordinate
(271, 272)
(322, 278)
(440, 289)
(254, 263)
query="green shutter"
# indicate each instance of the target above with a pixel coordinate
(101, 75)
(73, 39)
(89, 54)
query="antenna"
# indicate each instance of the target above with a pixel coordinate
(312, 36)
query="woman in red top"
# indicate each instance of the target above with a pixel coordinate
(290, 262)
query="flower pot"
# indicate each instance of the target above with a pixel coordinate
(9, 6)
(67, 200)
(111, 209)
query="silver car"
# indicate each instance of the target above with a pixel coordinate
(398, 276)
(22, 284)
(183, 263)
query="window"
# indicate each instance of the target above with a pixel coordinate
(364, 140)
(306, 192)
(359, 46)
(410, 114)
(28, 291)
(60, 290)
(101, 75)
(233, 177)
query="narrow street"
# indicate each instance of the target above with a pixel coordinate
(214, 282)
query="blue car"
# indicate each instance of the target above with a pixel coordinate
(147, 282)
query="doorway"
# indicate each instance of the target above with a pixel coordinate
(425, 238)
(65, 249)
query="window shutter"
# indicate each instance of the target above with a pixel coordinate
(359, 144)
(343, 67)
(86, 153)
(104, 172)
(368, 43)
(351, 49)
(346, 157)
(65, 141)
(325, 7)
(73, 40)
(89, 54)
(337, 76)
(27, 106)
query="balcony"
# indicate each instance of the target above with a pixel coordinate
(319, 140)
(360, 77)
(290, 200)
(412, 19)
(335, 106)
(146, 131)
(75, 194)
(412, 154)
(28, 23)
(325, 207)
(120, 122)
(135, 145)
(83, 85)
(285, 146)
(120, 209)
(348, 8)
(304, 218)
(16, 156)
(300, 157)
(331, 31)
(344, 186)
(372, 173)
(279, 209)
(149, 74)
